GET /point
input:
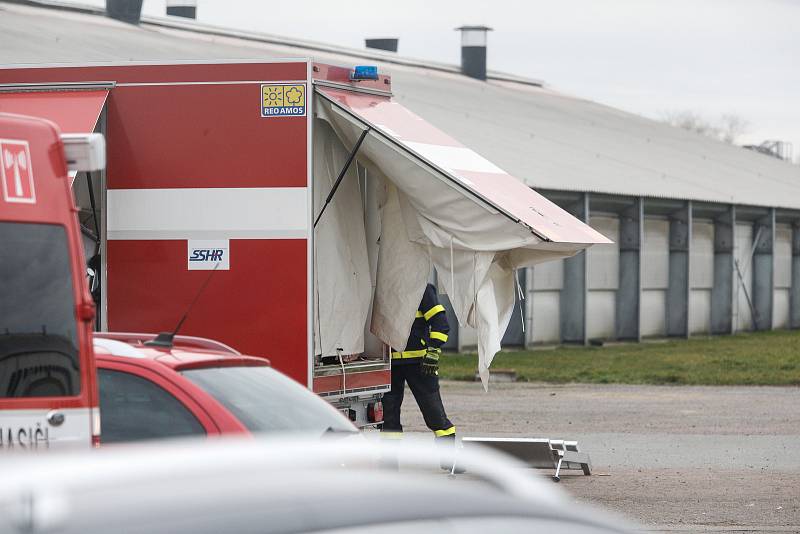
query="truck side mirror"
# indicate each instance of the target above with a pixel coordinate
(91, 274)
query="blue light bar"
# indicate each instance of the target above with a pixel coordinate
(364, 72)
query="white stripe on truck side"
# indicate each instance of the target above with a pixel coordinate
(208, 213)
(29, 429)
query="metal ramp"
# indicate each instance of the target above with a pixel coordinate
(539, 453)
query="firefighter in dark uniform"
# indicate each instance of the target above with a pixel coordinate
(418, 365)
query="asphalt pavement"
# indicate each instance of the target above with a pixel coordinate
(671, 458)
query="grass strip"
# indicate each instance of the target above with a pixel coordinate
(763, 358)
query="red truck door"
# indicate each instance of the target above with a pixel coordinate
(48, 391)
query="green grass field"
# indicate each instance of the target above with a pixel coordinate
(765, 358)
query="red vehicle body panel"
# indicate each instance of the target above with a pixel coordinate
(53, 205)
(162, 367)
(334, 383)
(198, 127)
(72, 111)
(165, 73)
(212, 134)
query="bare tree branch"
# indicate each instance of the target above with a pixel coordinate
(728, 128)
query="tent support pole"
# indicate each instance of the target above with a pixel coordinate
(339, 179)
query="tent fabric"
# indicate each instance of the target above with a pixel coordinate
(342, 284)
(441, 209)
(402, 272)
(72, 111)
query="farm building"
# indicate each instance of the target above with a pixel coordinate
(706, 234)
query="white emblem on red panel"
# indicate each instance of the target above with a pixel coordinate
(16, 171)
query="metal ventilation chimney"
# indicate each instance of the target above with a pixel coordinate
(384, 43)
(182, 8)
(473, 51)
(125, 10)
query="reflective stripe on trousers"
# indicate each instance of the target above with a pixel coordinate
(409, 354)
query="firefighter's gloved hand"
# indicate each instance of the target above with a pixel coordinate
(430, 362)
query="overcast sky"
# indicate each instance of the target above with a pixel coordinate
(646, 56)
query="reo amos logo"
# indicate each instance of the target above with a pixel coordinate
(16, 171)
(283, 100)
(204, 255)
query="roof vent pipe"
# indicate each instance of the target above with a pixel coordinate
(182, 8)
(384, 43)
(125, 10)
(473, 51)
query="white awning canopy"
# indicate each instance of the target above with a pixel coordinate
(443, 205)
(449, 161)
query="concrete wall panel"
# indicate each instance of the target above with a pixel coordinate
(654, 312)
(655, 254)
(783, 256)
(546, 326)
(702, 255)
(783, 276)
(780, 308)
(744, 243)
(700, 316)
(601, 307)
(603, 260)
(548, 276)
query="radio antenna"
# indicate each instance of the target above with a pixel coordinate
(166, 339)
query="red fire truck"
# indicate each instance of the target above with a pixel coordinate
(310, 206)
(48, 389)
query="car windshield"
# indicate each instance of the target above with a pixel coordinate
(38, 330)
(264, 400)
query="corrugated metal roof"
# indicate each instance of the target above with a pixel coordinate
(551, 140)
(555, 141)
